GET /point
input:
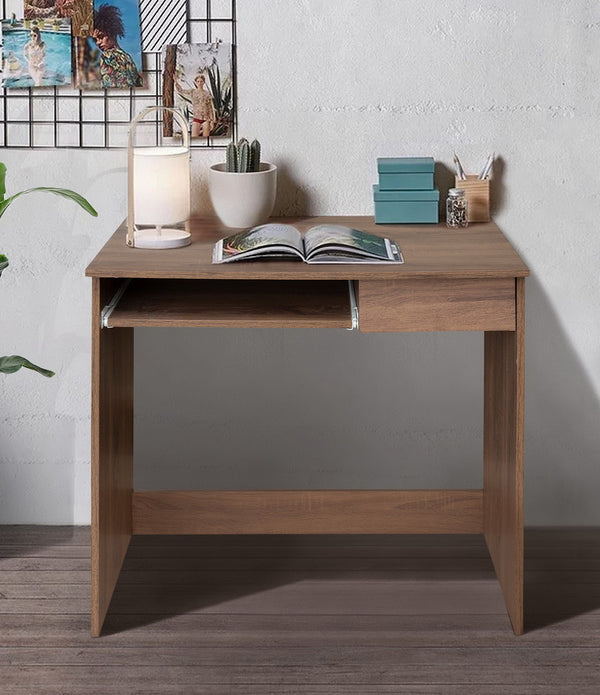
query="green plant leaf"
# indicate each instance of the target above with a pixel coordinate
(3, 263)
(2, 181)
(213, 88)
(12, 363)
(63, 192)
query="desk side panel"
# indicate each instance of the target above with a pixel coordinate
(112, 451)
(503, 460)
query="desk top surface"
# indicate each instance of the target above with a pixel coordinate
(479, 251)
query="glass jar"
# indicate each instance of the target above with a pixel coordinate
(457, 208)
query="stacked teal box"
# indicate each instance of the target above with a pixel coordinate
(396, 207)
(405, 192)
(405, 173)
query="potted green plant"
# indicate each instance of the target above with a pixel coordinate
(12, 363)
(242, 189)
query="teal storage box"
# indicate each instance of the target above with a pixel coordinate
(405, 173)
(406, 207)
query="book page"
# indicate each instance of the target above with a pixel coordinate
(338, 237)
(262, 239)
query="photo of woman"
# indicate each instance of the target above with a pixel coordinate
(110, 57)
(203, 110)
(34, 53)
(117, 66)
(197, 81)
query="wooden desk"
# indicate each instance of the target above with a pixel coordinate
(452, 280)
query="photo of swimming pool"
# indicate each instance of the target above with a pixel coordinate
(32, 62)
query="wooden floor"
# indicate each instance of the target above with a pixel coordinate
(309, 614)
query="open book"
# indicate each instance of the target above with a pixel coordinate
(325, 243)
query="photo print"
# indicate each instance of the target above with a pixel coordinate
(111, 57)
(197, 80)
(36, 52)
(80, 12)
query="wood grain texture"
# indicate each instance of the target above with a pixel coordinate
(308, 511)
(433, 255)
(503, 465)
(436, 305)
(477, 192)
(244, 303)
(480, 250)
(279, 619)
(112, 451)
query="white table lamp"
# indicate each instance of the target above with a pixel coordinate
(158, 191)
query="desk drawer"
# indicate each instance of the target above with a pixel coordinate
(437, 305)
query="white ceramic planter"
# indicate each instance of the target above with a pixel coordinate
(243, 200)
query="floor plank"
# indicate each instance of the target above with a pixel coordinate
(302, 614)
(304, 657)
(128, 677)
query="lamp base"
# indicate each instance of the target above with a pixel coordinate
(166, 239)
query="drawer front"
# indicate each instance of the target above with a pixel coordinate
(436, 305)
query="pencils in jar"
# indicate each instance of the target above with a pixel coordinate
(485, 172)
(460, 172)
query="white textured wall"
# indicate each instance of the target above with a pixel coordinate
(329, 85)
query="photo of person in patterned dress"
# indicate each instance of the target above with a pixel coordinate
(117, 67)
(203, 109)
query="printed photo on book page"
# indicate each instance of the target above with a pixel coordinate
(336, 235)
(262, 237)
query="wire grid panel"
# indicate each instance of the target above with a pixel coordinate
(64, 117)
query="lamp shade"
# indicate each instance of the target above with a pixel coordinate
(158, 189)
(161, 185)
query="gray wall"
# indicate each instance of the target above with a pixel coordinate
(328, 87)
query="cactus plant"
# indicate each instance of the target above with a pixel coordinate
(231, 157)
(254, 155)
(243, 157)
